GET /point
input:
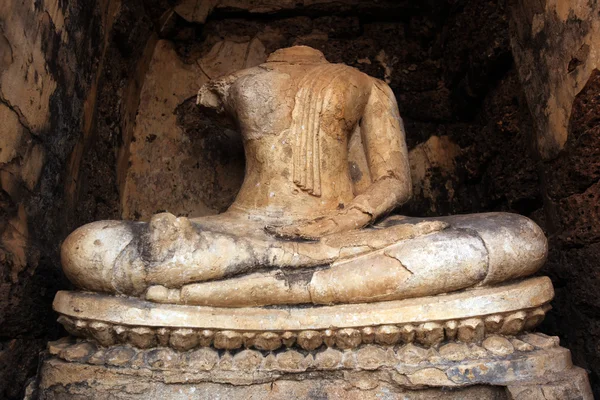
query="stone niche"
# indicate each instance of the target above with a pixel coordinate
(499, 100)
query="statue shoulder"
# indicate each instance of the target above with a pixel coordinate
(381, 86)
(214, 93)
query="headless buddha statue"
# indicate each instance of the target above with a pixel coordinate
(300, 230)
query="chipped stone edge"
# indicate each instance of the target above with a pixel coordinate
(476, 364)
(467, 330)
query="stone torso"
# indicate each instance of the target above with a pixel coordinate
(296, 120)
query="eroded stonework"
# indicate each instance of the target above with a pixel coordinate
(527, 366)
(300, 230)
(440, 62)
(428, 321)
(307, 258)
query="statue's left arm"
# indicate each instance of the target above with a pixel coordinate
(383, 138)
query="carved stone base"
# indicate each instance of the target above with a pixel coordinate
(464, 345)
(531, 366)
(467, 316)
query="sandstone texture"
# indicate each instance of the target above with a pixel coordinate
(465, 316)
(477, 104)
(74, 369)
(556, 47)
(48, 61)
(297, 113)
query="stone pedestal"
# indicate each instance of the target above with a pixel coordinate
(474, 344)
(529, 366)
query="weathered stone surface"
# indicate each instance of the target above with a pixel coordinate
(498, 345)
(477, 351)
(183, 339)
(203, 359)
(520, 345)
(409, 358)
(411, 354)
(143, 337)
(540, 340)
(173, 142)
(427, 56)
(310, 340)
(454, 351)
(542, 371)
(228, 340)
(168, 359)
(293, 361)
(289, 338)
(572, 385)
(328, 359)
(247, 359)
(555, 46)
(56, 346)
(348, 338)
(78, 352)
(430, 376)
(98, 358)
(471, 330)
(86, 382)
(371, 357)
(36, 62)
(493, 323)
(317, 201)
(119, 356)
(430, 333)
(260, 328)
(105, 335)
(51, 57)
(267, 341)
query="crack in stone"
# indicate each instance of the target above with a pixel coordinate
(20, 117)
(385, 253)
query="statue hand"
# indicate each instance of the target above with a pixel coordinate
(317, 228)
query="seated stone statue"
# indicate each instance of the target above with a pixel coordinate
(300, 230)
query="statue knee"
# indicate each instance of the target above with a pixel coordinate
(89, 254)
(517, 248)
